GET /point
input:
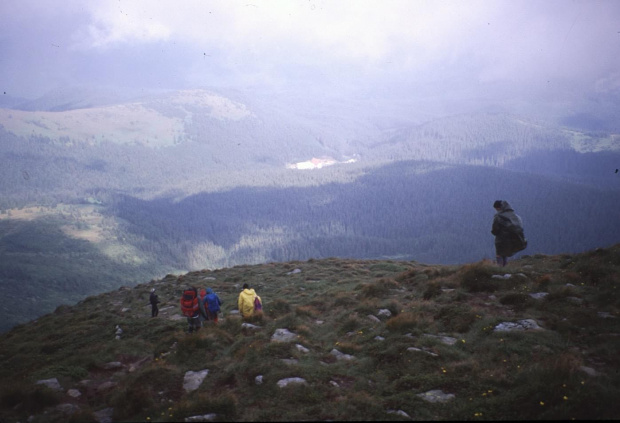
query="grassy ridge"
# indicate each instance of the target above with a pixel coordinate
(547, 374)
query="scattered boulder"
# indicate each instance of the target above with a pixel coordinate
(340, 355)
(50, 383)
(105, 386)
(112, 365)
(249, 326)
(192, 380)
(302, 349)
(283, 335)
(589, 371)
(448, 340)
(436, 395)
(289, 361)
(539, 295)
(258, 380)
(293, 272)
(606, 315)
(104, 415)
(204, 418)
(74, 393)
(384, 312)
(292, 381)
(414, 349)
(503, 277)
(521, 325)
(374, 318)
(379, 338)
(399, 413)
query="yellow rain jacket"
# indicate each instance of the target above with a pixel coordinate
(246, 302)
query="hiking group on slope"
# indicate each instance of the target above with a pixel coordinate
(199, 308)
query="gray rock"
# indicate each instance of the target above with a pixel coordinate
(341, 356)
(539, 295)
(233, 312)
(384, 312)
(606, 315)
(112, 365)
(258, 380)
(399, 413)
(302, 349)
(293, 272)
(50, 383)
(334, 384)
(292, 381)
(74, 393)
(283, 335)
(374, 318)
(521, 325)
(104, 415)
(448, 340)
(319, 322)
(379, 338)
(249, 326)
(589, 371)
(436, 395)
(289, 361)
(106, 386)
(192, 380)
(414, 349)
(204, 418)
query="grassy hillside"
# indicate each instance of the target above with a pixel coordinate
(373, 340)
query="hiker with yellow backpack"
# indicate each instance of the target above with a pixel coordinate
(250, 304)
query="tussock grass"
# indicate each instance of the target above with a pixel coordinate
(493, 375)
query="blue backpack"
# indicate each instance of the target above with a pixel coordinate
(213, 302)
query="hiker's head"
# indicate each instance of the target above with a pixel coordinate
(209, 291)
(153, 290)
(246, 286)
(497, 204)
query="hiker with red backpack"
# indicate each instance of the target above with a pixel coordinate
(249, 303)
(190, 307)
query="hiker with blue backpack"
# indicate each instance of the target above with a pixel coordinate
(508, 230)
(212, 305)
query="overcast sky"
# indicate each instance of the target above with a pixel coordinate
(525, 46)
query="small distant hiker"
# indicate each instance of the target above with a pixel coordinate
(508, 230)
(249, 302)
(190, 308)
(212, 304)
(154, 300)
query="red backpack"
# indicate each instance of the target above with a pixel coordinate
(189, 302)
